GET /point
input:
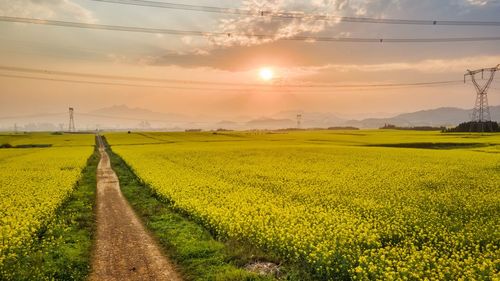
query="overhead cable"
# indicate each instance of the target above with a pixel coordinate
(222, 84)
(297, 15)
(249, 35)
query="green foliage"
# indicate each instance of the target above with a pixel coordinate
(34, 145)
(472, 126)
(433, 145)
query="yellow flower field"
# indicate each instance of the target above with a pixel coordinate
(348, 205)
(34, 182)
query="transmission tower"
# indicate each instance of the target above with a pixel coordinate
(299, 120)
(481, 112)
(71, 120)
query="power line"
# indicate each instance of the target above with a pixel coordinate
(198, 82)
(138, 85)
(135, 119)
(31, 116)
(195, 82)
(90, 115)
(360, 87)
(259, 36)
(120, 117)
(115, 77)
(75, 114)
(296, 15)
(277, 89)
(92, 82)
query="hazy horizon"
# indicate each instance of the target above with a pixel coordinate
(123, 117)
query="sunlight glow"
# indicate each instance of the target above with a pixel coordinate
(266, 74)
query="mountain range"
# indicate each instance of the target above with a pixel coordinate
(122, 117)
(444, 116)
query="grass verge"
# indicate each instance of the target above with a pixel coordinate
(191, 246)
(61, 250)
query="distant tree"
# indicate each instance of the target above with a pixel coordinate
(388, 126)
(416, 128)
(343, 128)
(473, 126)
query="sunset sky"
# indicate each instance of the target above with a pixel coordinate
(239, 59)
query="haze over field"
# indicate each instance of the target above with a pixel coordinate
(122, 117)
(274, 66)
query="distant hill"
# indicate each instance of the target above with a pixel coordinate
(136, 117)
(124, 117)
(270, 123)
(444, 116)
(225, 124)
(311, 119)
(123, 112)
(440, 116)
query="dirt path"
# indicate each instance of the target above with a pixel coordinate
(124, 250)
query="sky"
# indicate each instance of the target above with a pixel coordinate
(238, 59)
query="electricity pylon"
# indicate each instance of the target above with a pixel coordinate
(481, 112)
(71, 127)
(299, 120)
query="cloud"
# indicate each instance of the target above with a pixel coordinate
(430, 69)
(431, 65)
(237, 28)
(46, 9)
(478, 2)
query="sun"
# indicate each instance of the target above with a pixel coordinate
(266, 73)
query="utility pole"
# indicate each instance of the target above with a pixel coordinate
(15, 128)
(71, 127)
(299, 120)
(481, 112)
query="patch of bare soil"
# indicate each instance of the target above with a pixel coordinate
(264, 268)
